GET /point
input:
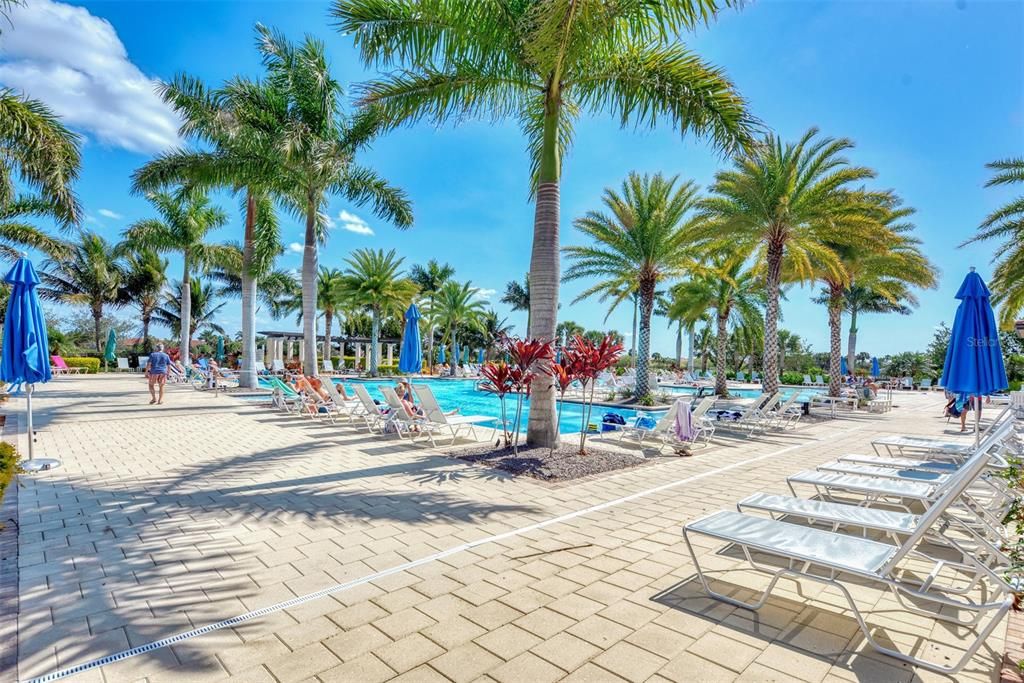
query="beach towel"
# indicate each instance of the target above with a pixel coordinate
(684, 423)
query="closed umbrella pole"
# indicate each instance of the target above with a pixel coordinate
(24, 358)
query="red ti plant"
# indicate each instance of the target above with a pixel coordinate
(499, 382)
(586, 361)
(516, 377)
(563, 374)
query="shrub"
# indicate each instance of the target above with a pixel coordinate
(645, 400)
(92, 365)
(8, 466)
(792, 378)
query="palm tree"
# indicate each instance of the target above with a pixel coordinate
(493, 329)
(637, 245)
(200, 313)
(186, 218)
(789, 342)
(1006, 223)
(42, 154)
(91, 276)
(888, 264)
(517, 297)
(317, 149)
(736, 295)
(457, 306)
(543, 63)
(429, 279)
(374, 280)
(789, 203)
(331, 298)
(242, 138)
(144, 282)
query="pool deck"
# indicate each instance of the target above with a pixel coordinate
(402, 563)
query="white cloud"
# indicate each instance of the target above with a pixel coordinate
(107, 213)
(295, 247)
(353, 223)
(75, 63)
(485, 293)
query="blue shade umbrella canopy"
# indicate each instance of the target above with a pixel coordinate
(455, 355)
(465, 355)
(26, 347)
(220, 349)
(410, 357)
(480, 357)
(876, 370)
(110, 351)
(974, 360)
(842, 366)
(440, 353)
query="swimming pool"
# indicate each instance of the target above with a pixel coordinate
(462, 394)
(805, 393)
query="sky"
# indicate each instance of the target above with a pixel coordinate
(930, 91)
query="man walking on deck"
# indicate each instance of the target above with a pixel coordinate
(156, 373)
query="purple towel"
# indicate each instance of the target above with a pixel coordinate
(684, 425)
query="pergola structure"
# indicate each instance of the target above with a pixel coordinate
(287, 345)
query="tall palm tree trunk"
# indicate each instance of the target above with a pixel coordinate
(247, 377)
(851, 342)
(689, 353)
(97, 316)
(771, 318)
(721, 387)
(545, 273)
(643, 375)
(309, 271)
(455, 346)
(374, 341)
(146, 345)
(633, 340)
(328, 321)
(835, 340)
(185, 352)
(679, 345)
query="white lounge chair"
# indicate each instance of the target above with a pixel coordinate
(837, 559)
(402, 420)
(122, 365)
(348, 408)
(659, 432)
(787, 414)
(277, 367)
(143, 362)
(454, 423)
(808, 382)
(373, 415)
(819, 381)
(753, 418)
(926, 384)
(328, 368)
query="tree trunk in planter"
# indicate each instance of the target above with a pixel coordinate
(835, 341)
(374, 339)
(310, 265)
(643, 358)
(773, 278)
(97, 316)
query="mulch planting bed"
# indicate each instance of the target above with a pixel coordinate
(564, 464)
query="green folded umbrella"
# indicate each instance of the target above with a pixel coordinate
(110, 352)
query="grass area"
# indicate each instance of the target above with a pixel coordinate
(8, 466)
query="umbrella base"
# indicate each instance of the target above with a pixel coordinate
(40, 464)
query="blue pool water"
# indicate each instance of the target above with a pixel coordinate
(462, 394)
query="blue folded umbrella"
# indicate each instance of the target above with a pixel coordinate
(410, 357)
(974, 359)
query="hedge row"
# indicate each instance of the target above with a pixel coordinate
(92, 365)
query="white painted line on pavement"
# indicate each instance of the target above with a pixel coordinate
(338, 588)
